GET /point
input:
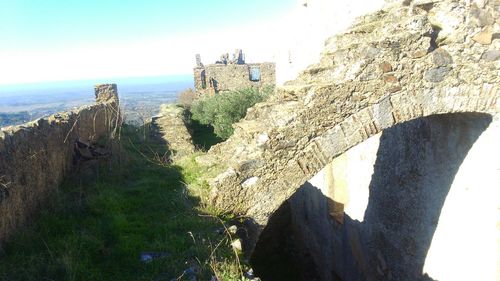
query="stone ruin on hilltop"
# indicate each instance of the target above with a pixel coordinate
(232, 74)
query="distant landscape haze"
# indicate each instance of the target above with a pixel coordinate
(139, 97)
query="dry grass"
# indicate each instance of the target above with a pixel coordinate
(187, 97)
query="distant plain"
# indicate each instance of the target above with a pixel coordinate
(140, 98)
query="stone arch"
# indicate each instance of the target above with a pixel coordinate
(366, 122)
(259, 188)
(379, 265)
(392, 110)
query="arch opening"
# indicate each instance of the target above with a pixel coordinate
(385, 209)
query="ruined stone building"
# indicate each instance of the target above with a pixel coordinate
(232, 74)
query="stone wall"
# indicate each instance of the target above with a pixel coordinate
(171, 127)
(229, 77)
(35, 157)
(303, 32)
(408, 61)
(200, 81)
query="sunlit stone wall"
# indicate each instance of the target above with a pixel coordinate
(420, 201)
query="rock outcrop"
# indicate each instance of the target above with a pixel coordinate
(35, 157)
(407, 61)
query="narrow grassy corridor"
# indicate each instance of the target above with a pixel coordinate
(102, 218)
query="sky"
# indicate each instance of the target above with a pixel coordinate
(53, 40)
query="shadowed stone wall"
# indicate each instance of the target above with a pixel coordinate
(396, 207)
(35, 157)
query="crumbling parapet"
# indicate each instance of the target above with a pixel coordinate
(106, 92)
(198, 61)
(232, 74)
(36, 156)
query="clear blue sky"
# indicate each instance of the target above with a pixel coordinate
(45, 31)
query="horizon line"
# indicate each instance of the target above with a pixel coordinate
(96, 79)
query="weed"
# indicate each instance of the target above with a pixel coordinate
(96, 229)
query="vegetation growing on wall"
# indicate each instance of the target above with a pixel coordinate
(134, 219)
(223, 110)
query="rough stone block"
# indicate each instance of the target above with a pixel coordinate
(382, 114)
(333, 142)
(436, 74)
(492, 55)
(484, 37)
(441, 57)
(367, 121)
(105, 92)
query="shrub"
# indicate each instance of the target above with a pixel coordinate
(187, 97)
(222, 110)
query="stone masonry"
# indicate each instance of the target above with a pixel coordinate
(229, 75)
(171, 127)
(407, 61)
(35, 157)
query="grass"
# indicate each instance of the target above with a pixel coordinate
(98, 223)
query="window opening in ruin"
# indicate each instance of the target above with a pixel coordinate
(203, 80)
(255, 73)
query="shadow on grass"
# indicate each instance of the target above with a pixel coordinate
(101, 219)
(203, 135)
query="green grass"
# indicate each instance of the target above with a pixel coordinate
(96, 229)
